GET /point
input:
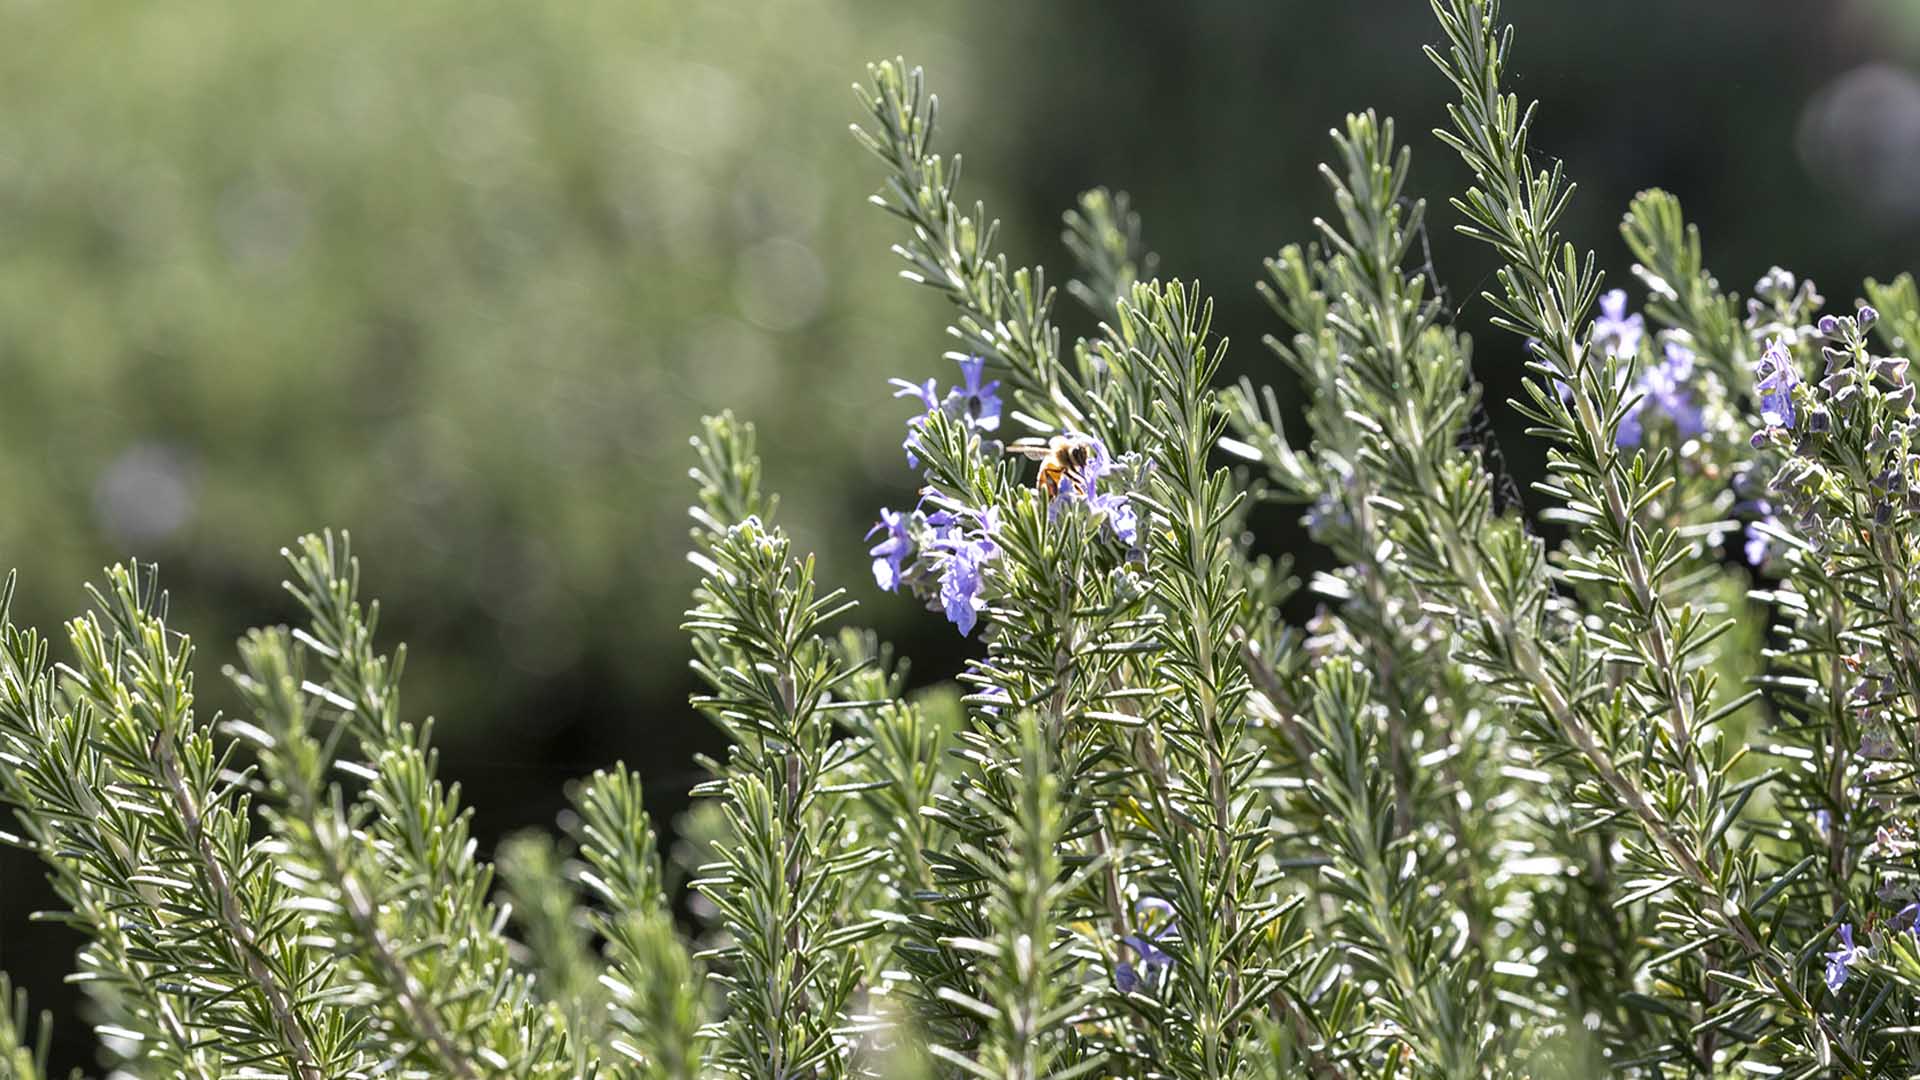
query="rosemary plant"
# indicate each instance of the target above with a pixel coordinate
(1622, 787)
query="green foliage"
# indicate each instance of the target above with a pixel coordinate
(26, 1042)
(1510, 804)
(655, 998)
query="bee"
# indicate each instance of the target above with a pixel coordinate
(1065, 458)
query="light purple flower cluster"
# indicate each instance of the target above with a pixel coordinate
(1853, 428)
(1846, 379)
(944, 556)
(999, 698)
(1840, 961)
(1109, 507)
(957, 546)
(1843, 958)
(1759, 544)
(1666, 387)
(1781, 304)
(894, 549)
(1156, 920)
(974, 402)
(1615, 332)
(1774, 380)
(964, 555)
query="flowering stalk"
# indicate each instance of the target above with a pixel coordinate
(1544, 298)
(1545, 290)
(1051, 572)
(1487, 813)
(1843, 476)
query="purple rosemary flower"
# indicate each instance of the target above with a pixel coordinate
(962, 587)
(1775, 284)
(973, 402)
(1774, 380)
(1758, 544)
(979, 404)
(929, 396)
(1329, 515)
(1000, 697)
(1664, 387)
(1866, 317)
(928, 393)
(1911, 916)
(1877, 746)
(988, 520)
(1119, 516)
(1840, 959)
(962, 582)
(1615, 331)
(1157, 924)
(942, 522)
(894, 549)
(1112, 508)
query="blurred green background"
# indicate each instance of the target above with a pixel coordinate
(461, 277)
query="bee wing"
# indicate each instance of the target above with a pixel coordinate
(1031, 449)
